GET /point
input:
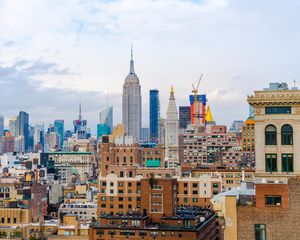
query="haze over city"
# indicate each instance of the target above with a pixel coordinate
(54, 52)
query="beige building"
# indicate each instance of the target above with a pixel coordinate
(277, 129)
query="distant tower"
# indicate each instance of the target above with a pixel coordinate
(132, 103)
(80, 126)
(105, 125)
(154, 115)
(1, 131)
(171, 135)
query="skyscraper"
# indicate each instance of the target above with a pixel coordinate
(80, 126)
(59, 128)
(1, 131)
(132, 103)
(39, 136)
(154, 115)
(106, 122)
(12, 126)
(184, 116)
(172, 127)
(23, 130)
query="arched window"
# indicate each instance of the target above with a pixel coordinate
(270, 135)
(287, 135)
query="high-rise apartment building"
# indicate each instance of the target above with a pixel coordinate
(132, 103)
(184, 116)
(23, 129)
(59, 128)
(8, 143)
(172, 128)
(154, 115)
(248, 142)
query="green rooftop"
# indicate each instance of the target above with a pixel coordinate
(154, 163)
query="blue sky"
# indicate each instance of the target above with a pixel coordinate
(52, 52)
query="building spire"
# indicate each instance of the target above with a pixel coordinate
(131, 70)
(80, 109)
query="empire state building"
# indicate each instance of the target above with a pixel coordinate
(132, 103)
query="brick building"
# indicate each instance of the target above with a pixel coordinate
(156, 216)
(211, 146)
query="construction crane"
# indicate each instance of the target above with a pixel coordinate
(196, 111)
(195, 89)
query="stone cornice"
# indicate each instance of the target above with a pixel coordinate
(274, 98)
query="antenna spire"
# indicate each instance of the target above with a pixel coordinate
(80, 109)
(131, 70)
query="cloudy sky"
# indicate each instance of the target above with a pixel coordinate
(52, 53)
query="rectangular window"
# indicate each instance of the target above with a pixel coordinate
(278, 110)
(271, 162)
(260, 232)
(15, 220)
(273, 200)
(287, 162)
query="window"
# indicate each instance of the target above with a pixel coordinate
(153, 234)
(15, 220)
(120, 184)
(273, 200)
(100, 232)
(143, 233)
(195, 185)
(287, 162)
(185, 200)
(271, 162)
(215, 185)
(195, 200)
(260, 232)
(163, 234)
(2, 220)
(270, 135)
(8, 220)
(287, 135)
(278, 110)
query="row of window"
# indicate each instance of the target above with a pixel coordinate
(287, 162)
(140, 233)
(286, 135)
(8, 220)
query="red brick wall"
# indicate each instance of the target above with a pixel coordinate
(281, 223)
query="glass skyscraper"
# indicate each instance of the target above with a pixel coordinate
(154, 115)
(59, 128)
(106, 122)
(184, 116)
(23, 129)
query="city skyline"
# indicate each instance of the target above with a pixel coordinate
(47, 65)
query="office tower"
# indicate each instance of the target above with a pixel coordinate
(132, 103)
(106, 122)
(1, 131)
(31, 139)
(23, 130)
(154, 115)
(184, 116)
(12, 126)
(39, 136)
(172, 128)
(80, 126)
(145, 134)
(51, 141)
(59, 128)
